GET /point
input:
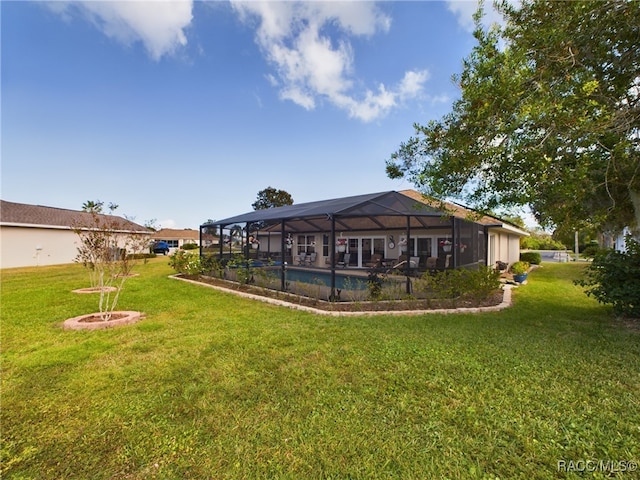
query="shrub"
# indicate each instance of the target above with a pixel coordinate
(186, 263)
(481, 283)
(243, 268)
(189, 246)
(141, 256)
(374, 284)
(540, 243)
(614, 278)
(450, 284)
(590, 251)
(212, 266)
(531, 257)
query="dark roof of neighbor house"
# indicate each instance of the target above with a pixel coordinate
(390, 210)
(38, 215)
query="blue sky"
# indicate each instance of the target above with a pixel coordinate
(183, 111)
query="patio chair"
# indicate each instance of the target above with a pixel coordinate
(432, 263)
(311, 259)
(301, 258)
(345, 260)
(376, 260)
(414, 262)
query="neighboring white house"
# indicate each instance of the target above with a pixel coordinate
(176, 238)
(33, 235)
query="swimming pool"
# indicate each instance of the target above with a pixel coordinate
(343, 282)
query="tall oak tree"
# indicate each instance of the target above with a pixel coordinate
(548, 117)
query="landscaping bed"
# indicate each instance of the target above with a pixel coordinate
(408, 304)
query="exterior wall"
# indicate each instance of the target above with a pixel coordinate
(503, 247)
(24, 247)
(424, 243)
(620, 242)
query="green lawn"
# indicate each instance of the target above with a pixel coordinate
(210, 385)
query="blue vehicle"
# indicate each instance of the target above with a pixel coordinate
(161, 247)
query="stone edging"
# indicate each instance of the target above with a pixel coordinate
(125, 317)
(506, 302)
(94, 290)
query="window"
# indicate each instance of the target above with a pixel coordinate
(306, 243)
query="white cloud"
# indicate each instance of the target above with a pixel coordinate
(312, 66)
(465, 9)
(158, 24)
(307, 44)
(168, 223)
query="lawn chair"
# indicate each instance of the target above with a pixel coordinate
(345, 260)
(301, 258)
(432, 263)
(311, 259)
(376, 260)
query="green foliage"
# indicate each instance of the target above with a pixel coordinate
(211, 385)
(590, 251)
(212, 266)
(375, 281)
(185, 262)
(457, 283)
(540, 242)
(270, 197)
(548, 117)
(103, 250)
(614, 278)
(243, 268)
(519, 268)
(531, 257)
(190, 246)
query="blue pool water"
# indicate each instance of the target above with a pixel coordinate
(343, 282)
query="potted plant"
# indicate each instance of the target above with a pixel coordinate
(446, 246)
(519, 270)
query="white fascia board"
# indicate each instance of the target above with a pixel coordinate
(510, 229)
(62, 227)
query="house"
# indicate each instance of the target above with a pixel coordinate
(387, 228)
(176, 238)
(32, 235)
(503, 238)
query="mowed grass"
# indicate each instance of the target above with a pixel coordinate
(210, 385)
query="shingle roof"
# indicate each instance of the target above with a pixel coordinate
(176, 234)
(361, 212)
(25, 214)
